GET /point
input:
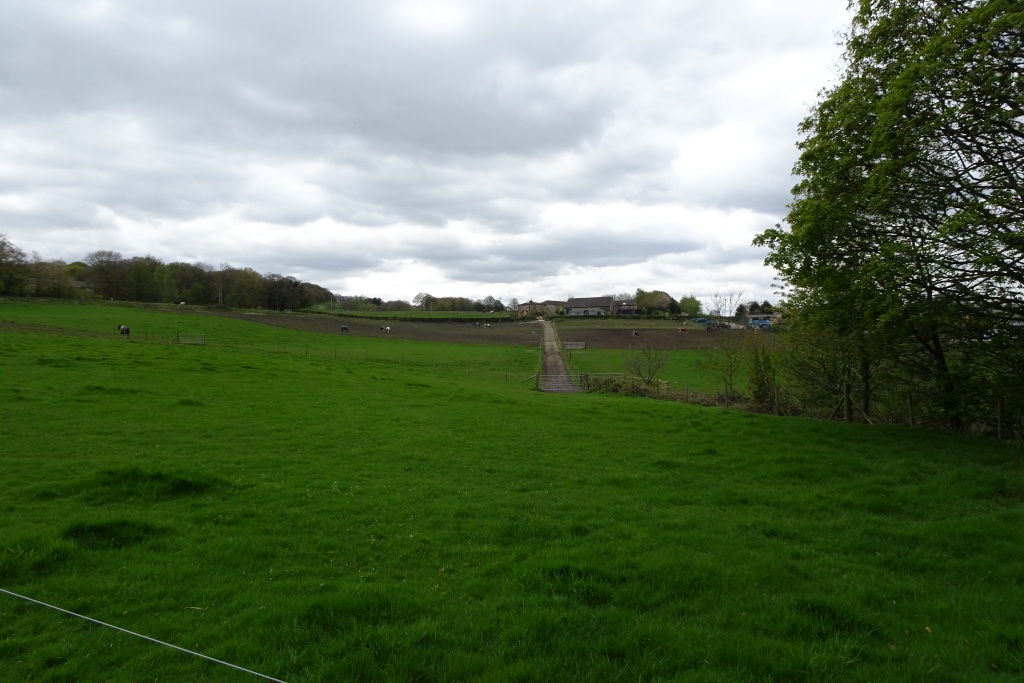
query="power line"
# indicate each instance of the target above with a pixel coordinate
(139, 635)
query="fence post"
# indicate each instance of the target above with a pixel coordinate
(910, 407)
(847, 403)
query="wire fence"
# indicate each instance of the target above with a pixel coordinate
(143, 637)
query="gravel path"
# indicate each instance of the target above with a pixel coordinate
(556, 377)
(553, 362)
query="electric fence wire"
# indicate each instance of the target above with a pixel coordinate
(139, 635)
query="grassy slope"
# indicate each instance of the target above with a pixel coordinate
(410, 515)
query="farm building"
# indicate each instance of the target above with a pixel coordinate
(600, 305)
(532, 308)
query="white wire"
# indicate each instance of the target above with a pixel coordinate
(139, 635)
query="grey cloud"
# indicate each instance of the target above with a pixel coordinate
(281, 114)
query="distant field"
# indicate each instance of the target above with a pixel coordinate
(426, 315)
(609, 345)
(602, 335)
(684, 370)
(324, 508)
(516, 332)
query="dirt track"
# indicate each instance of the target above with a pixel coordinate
(553, 362)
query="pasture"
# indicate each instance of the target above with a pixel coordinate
(322, 508)
(684, 370)
(609, 343)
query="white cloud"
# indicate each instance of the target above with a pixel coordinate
(522, 148)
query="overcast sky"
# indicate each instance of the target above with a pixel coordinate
(521, 148)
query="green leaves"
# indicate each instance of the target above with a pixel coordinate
(909, 211)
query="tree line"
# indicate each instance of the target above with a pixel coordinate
(109, 275)
(489, 304)
(903, 250)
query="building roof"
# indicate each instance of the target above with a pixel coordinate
(591, 302)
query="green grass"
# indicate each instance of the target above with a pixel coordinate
(684, 370)
(154, 325)
(372, 517)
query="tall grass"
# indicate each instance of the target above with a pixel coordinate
(380, 519)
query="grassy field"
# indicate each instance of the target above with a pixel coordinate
(609, 343)
(383, 510)
(683, 370)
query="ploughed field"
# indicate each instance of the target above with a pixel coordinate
(526, 333)
(519, 333)
(693, 339)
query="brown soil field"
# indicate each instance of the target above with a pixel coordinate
(693, 339)
(524, 333)
(527, 333)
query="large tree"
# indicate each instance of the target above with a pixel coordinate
(12, 267)
(193, 283)
(109, 273)
(907, 226)
(246, 288)
(655, 301)
(690, 305)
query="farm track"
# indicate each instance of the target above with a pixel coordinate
(556, 377)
